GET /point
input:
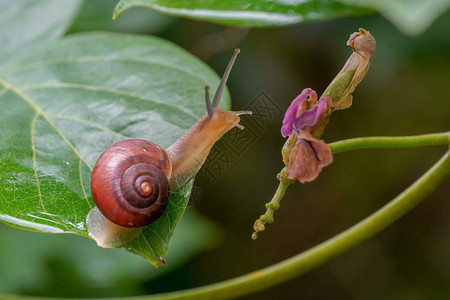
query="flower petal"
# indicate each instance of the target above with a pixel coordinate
(310, 117)
(308, 158)
(291, 113)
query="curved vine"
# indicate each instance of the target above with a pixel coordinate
(325, 251)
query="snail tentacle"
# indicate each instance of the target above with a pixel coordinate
(209, 107)
(223, 81)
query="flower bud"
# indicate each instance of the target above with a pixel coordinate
(355, 69)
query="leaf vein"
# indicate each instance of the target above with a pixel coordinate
(168, 218)
(108, 90)
(39, 110)
(148, 244)
(82, 185)
(157, 234)
(33, 149)
(90, 123)
(90, 59)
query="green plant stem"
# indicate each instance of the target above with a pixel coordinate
(433, 139)
(272, 206)
(320, 254)
(316, 256)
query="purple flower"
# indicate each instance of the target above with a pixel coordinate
(309, 154)
(298, 105)
(311, 116)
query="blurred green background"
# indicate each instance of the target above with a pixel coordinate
(406, 92)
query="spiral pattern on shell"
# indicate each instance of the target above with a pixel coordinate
(129, 182)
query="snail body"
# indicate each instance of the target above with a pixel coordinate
(132, 179)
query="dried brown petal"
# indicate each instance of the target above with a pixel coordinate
(308, 158)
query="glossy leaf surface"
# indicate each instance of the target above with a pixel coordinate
(410, 16)
(64, 103)
(248, 13)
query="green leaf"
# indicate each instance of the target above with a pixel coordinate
(96, 15)
(248, 13)
(22, 25)
(25, 258)
(412, 17)
(63, 104)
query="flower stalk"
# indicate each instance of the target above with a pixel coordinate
(273, 205)
(303, 153)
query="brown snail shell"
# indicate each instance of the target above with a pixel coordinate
(126, 168)
(129, 182)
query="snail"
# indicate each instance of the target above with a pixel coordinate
(132, 179)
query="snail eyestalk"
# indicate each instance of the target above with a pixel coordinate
(237, 125)
(223, 82)
(189, 152)
(243, 112)
(209, 107)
